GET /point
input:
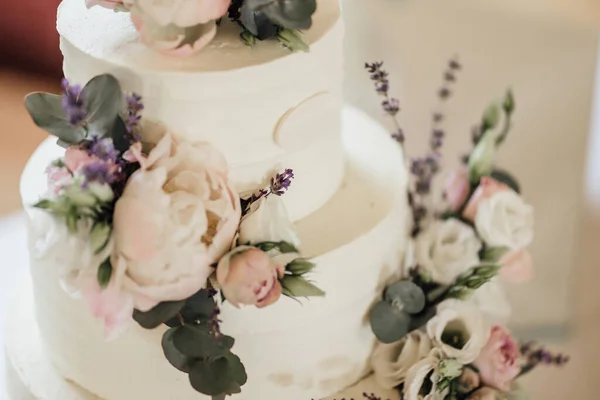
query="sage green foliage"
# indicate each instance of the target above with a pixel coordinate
(104, 101)
(289, 14)
(391, 318)
(196, 346)
(293, 40)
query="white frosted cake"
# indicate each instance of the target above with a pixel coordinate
(264, 108)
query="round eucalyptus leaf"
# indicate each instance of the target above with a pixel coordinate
(158, 315)
(210, 378)
(407, 294)
(198, 342)
(257, 23)
(174, 356)
(388, 323)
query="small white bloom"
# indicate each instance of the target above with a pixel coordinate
(505, 220)
(491, 299)
(417, 375)
(392, 361)
(459, 329)
(446, 249)
(267, 221)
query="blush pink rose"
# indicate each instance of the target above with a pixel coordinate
(77, 158)
(499, 361)
(517, 266)
(251, 278)
(486, 189)
(457, 188)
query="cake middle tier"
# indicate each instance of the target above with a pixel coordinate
(264, 107)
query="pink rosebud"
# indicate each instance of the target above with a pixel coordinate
(77, 158)
(498, 362)
(457, 188)
(250, 278)
(487, 188)
(517, 266)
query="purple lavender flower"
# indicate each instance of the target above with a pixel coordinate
(73, 102)
(398, 136)
(104, 149)
(391, 106)
(454, 65)
(280, 183)
(98, 172)
(134, 110)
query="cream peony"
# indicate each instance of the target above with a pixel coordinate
(182, 13)
(419, 372)
(446, 249)
(391, 362)
(267, 221)
(177, 216)
(459, 330)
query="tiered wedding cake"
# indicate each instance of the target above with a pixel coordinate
(265, 109)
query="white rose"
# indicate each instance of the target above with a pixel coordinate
(459, 329)
(267, 221)
(72, 252)
(491, 299)
(392, 361)
(417, 375)
(505, 220)
(446, 249)
(177, 216)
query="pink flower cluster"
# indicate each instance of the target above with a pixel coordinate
(499, 361)
(517, 264)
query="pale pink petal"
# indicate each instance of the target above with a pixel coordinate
(457, 188)
(137, 235)
(487, 188)
(134, 154)
(76, 158)
(223, 240)
(517, 266)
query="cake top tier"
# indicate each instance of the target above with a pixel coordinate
(111, 36)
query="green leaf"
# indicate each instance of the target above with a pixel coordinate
(291, 14)
(103, 101)
(293, 40)
(47, 113)
(158, 315)
(509, 102)
(104, 273)
(198, 342)
(200, 307)
(120, 136)
(300, 287)
(43, 204)
(99, 236)
(217, 377)
(248, 38)
(388, 323)
(494, 254)
(300, 267)
(407, 295)
(174, 356)
(283, 247)
(507, 179)
(72, 222)
(491, 117)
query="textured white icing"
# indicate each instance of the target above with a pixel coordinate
(291, 351)
(265, 108)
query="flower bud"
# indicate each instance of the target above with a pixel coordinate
(481, 160)
(468, 381)
(450, 368)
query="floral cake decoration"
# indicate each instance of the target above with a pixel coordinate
(157, 233)
(440, 329)
(184, 27)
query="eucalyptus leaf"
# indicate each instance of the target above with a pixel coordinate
(104, 273)
(283, 247)
(300, 287)
(300, 267)
(47, 113)
(507, 179)
(200, 307)
(214, 378)
(257, 23)
(120, 136)
(198, 342)
(174, 356)
(104, 101)
(158, 315)
(290, 14)
(388, 323)
(407, 294)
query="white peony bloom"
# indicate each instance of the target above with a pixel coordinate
(419, 372)
(491, 299)
(267, 221)
(446, 249)
(392, 361)
(177, 216)
(505, 220)
(459, 329)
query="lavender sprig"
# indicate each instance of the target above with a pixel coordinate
(73, 102)
(104, 149)
(390, 104)
(99, 172)
(280, 183)
(535, 355)
(134, 110)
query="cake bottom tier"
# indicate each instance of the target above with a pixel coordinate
(31, 376)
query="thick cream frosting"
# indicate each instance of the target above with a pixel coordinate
(292, 350)
(265, 107)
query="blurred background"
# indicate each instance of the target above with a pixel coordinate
(545, 50)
